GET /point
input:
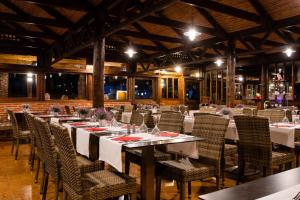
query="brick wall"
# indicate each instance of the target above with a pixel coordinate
(43, 106)
(3, 84)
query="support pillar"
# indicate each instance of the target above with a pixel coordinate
(3, 84)
(263, 87)
(40, 86)
(82, 86)
(98, 73)
(230, 81)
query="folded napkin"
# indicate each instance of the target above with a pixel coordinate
(168, 134)
(127, 138)
(77, 124)
(284, 125)
(95, 129)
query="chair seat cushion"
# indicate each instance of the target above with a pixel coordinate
(281, 157)
(87, 166)
(230, 149)
(185, 169)
(106, 184)
(158, 155)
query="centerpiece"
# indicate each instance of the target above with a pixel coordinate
(55, 110)
(103, 116)
(83, 112)
(226, 112)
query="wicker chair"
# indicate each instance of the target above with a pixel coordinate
(208, 110)
(18, 134)
(255, 145)
(102, 184)
(128, 108)
(213, 129)
(163, 108)
(137, 118)
(250, 111)
(51, 158)
(169, 121)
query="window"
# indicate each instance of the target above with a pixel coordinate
(143, 89)
(115, 88)
(192, 90)
(62, 86)
(18, 86)
(169, 87)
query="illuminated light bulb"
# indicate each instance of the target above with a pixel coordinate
(192, 33)
(29, 74)
(130, 52)
(219, 62)
(178, 69)
(197, 74)
(29, 79)
(241, 79)
(289, 52)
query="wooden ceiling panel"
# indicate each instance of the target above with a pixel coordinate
(4, 9)
(276, 38)
(158, 29)
(72, 15)
(240, 4)
(171, 45)
(187, 14)
(31, 9)
(230, 23)
(29, 27)
(57, 30)
(281, 9)
(140, 41)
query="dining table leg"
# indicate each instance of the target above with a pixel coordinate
(147, 173)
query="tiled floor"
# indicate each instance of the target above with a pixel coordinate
(17, 181)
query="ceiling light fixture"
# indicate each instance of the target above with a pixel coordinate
(219, 62)
(130, 51)
(178, 68)
(192, 33)
(289, 51)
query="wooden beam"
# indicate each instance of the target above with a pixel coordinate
(219, 7)
(28, 34)
(230, 78)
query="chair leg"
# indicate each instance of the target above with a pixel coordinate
(182, 190)
(17, 149)
(218, 182)
(32, 160)
(241, 171)
(158, 187)
(45, 186)
(189, 189)
(297, 159)
(30, 154)
(267, 171)
(127, 166)
(12, 146)
(288, 166)
(43, 180)
(56, 189)
(65, 195)
(280, 168)
(133, 196)
(37, 171)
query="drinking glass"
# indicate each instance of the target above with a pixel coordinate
(114, 122)
(143, 127)
(155, 130)
(285, 119)
(296, 119)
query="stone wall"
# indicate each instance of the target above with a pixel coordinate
(3, 84)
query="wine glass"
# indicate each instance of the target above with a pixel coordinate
(285, 119)
(143, 127)
(155, 130)
(296, 119)
(114, 122)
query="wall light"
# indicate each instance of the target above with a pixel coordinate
(219, 62)
(192, 33)
(130, 52)
(178, 68)
(289, 51)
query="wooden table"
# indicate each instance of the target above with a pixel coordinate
(258, 188)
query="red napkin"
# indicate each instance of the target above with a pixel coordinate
(94, 129)
(127, 138)
(284, 126)
(168, 134)
(77, 124)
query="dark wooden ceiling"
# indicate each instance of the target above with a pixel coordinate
(58, 29)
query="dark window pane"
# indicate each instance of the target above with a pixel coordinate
(115, 88)
(175, 88)
(164, 87)
(192, 90)
(143, 89)
(170, 88)
(17, 85)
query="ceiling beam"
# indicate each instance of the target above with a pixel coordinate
(28, 34)
(222, 8)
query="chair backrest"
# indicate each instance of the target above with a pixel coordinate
(277, 115)
(137, 118)
(250, 111)
(49, 151)
(289, 115)
(67, 109)
(171, 121)
(33, 130)
(236, 111)
(128, 108)
(14, 123)
(208, 110)
(254, 139)
(197, 114)
(213, 129)
(70, 170)
(163, 108)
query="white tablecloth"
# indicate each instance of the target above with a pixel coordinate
(287, 194)
(110, 151)
(280, 135)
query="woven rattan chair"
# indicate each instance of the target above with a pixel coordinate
(18, 134)
(51, 159)
(250, 111)
(128, 108)
(213, 129)
(137, 118)
(255, 146)
(208, 110)
(102, 184)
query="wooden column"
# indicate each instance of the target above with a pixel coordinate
(263, 84)
(40, 86)
(98, 73)
(293, 82)
(89, 86)
(222, 90)
(231, 64)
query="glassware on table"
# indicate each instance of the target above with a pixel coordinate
(296, 119)
(155, 130)
(143, 127)
(114, 122)
(285, 119)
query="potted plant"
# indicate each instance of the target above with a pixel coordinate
(102, 116)
(83, 112)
